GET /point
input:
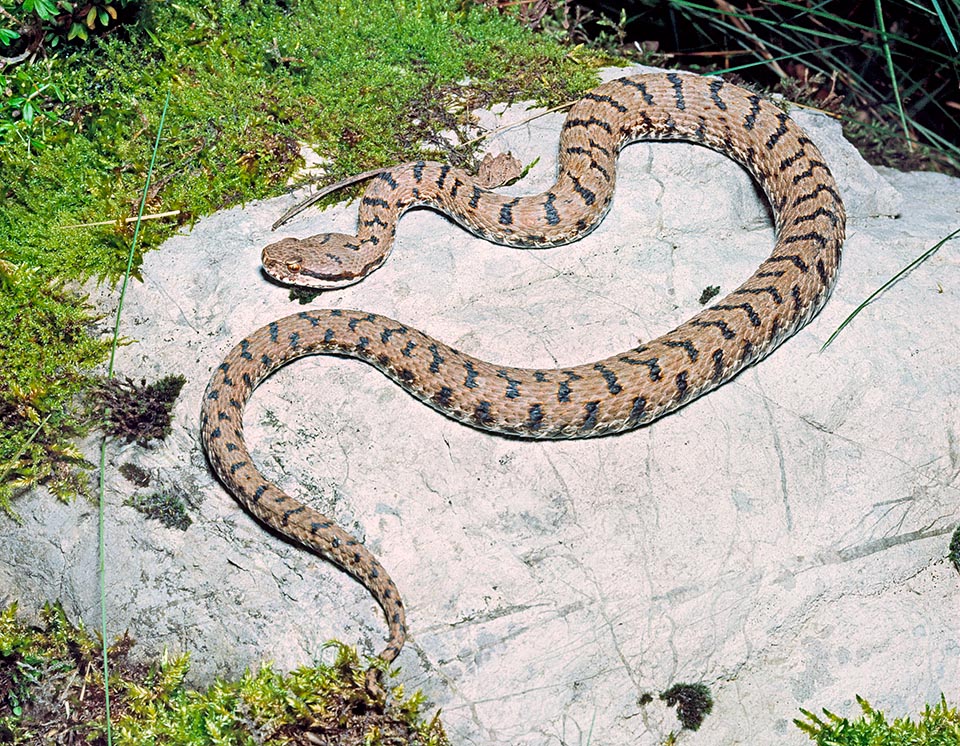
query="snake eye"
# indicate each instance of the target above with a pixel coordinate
(293, 266)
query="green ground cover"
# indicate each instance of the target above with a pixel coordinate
(365, 84)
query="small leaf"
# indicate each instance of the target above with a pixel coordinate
(92, 18)
(77, 31)
(112, 11)
(104, 17)
(27, 112)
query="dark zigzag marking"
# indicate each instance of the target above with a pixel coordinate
(686, 345)
(444, 170)
(774, 293)
(613, 386)
(782, 117)
(819, 188)
(745, 307)
(592, 121)
(794, 258)
(588, 197)
(818, 238)
(387, 177)
(553, 217)
(640, 87)
(715, 85)
(506, 212)
(677, 90)
(819, 212)
(809, 172)
(751, 119)
(592, 412)
(606, 100)
(725, 330)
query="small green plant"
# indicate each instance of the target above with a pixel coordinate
(955, 548)
(937, 726)
(28, 100)
(44, 24)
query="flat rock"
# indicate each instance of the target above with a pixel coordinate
(781, 540)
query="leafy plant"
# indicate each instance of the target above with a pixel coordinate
(45, 24)
(132, 411)
(29, 101)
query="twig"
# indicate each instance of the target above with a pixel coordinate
(498, 130)
(297, 209)
(313, 199)
(155, 216)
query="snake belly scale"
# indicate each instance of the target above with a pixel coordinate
(624, 391)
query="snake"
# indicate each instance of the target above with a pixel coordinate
(624, 391)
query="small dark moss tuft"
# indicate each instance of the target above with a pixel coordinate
(955, 548)
(693, 703)
(132, 411)
(709, 293)
(304, 295)
(134, 474)
(166, 507)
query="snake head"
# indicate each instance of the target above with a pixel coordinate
(324, 261)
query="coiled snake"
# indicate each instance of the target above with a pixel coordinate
(624, 391)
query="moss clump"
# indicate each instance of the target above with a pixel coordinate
(167, 507)
(937, 726)
(955, 548)
(132, 411)
(51, 691)
(134, 474)
(693, 703)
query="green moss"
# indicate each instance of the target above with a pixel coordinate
(365, 84)
(937, 726)
(954, 553)
(50, 682)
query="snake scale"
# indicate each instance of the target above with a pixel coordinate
(624, 391)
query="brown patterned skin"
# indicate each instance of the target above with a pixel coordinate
(624, 391)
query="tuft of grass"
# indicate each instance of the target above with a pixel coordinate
(884, 66)
(51, 688)
(937, 726)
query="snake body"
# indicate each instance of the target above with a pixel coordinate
(624, 391)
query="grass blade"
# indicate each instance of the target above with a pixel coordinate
(892, 281)
(101, 561)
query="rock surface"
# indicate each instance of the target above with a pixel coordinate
(781, 539)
